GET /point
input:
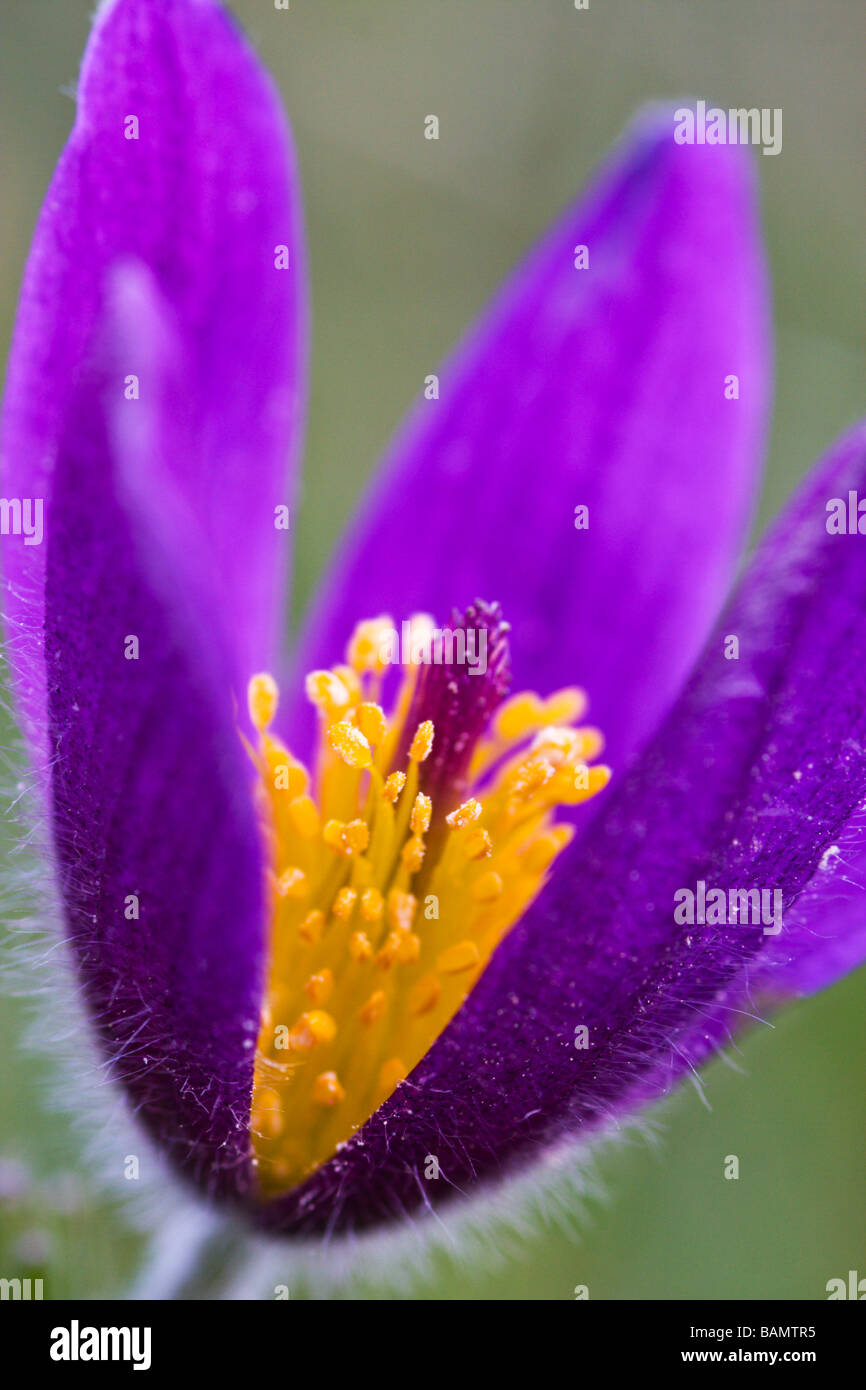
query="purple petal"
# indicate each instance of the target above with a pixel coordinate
(158, 850)
(202, 198)
(759, 768)
(603, 387)
(825, 931)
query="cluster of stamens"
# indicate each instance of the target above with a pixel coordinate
(386, 906)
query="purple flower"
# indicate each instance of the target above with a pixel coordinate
(321, 960)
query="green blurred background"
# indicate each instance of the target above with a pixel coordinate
(408, 238)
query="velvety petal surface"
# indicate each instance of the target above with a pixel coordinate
(758, 769)
(157, 846)
(180, 158)
(826, 928)
(601, 387)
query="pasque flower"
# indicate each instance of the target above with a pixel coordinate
(333, 919)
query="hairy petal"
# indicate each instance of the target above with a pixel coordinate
(201, 197)
(758, 769)
(158, 851)
(602, 387)
(825, 930)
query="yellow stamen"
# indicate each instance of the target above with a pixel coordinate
(460, 956)
(320, 987)
(266, 1120)
(344, 903)
(360, 946)
(293, 884)
(408, 947)
(387, 905)
(412, 854)
(465, 814)
(372, 905)
(422, 743)
(365, 651)
(311, 1030)
(422, 810)
(520, 715)
(350, 745)
(401, 909)
(311, 927)
(565, 706)
(374, 1008)
(394, 785)
(346, 839)
(328, 693)
(372, 722)
(542, 852)
(263, 697)
(478, 845)
(327, 1089)
(488, 887)
(425, 994)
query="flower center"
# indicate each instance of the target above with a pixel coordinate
(397, 867)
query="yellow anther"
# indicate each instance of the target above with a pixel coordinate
(374, 1008)
(351, 681)
(412, 854)
(368, 646)
(304, 816)
(465, 814)
(558, 743)
(543, 850)
(372, 722)
(286, 775)
(312, 1030)
(372, 905)
(425, 994)
(478, 844)
(344, 903)
(293, 884)
(320, 986)
(572, 790)
(422, 743)
(401, 909)
(328, 693)
(394, 784)
(591, 743)
(360, 947)
(409, 949)
(540, 766)
(565, 706)
(518, 717)
(266, 1115)
(461, 956)
(262, 699)
(334, 835)
(488, 887)
(527, 780)
(391, 1074)
(387, 953)
(327, 1089)
(358, 836)
(347, 839)
(422, 810)
(563, 835)
(313, 925)
(350, 745)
